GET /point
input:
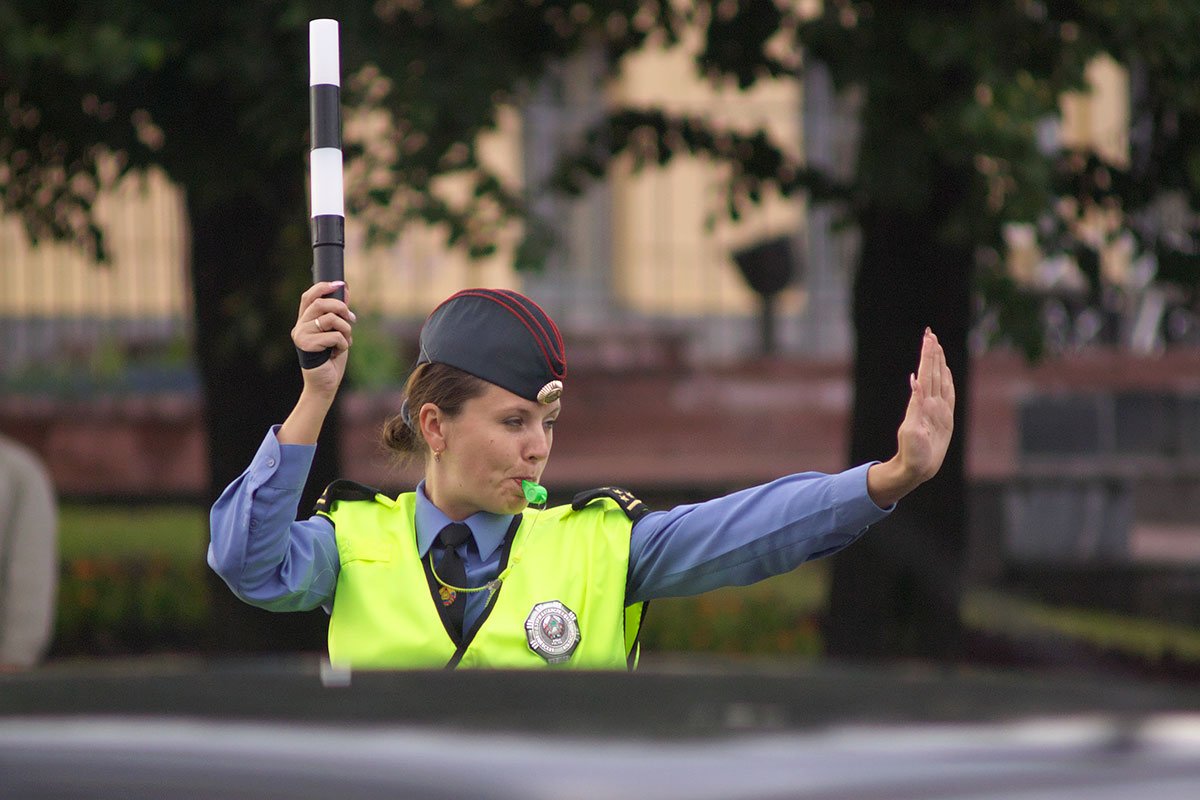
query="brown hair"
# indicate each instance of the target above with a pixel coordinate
(448, 388)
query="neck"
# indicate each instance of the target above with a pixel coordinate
(436, 494)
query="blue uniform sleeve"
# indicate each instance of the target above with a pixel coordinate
(259, 549)
(749, 535)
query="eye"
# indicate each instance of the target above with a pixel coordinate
(550, 423)
(514, 422)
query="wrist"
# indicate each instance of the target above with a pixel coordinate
(889, 481)
(303, 425)
(317, 397)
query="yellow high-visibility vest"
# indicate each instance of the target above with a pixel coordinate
(560, 600)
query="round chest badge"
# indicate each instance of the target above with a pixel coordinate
(553, 631)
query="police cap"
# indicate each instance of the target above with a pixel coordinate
(501, 336)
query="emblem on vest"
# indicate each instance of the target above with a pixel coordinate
(448, 595)
(553, 631)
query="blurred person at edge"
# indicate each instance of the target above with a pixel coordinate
(28, 557)
(514, 585)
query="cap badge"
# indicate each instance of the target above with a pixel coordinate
(553, 631)
(550, 392)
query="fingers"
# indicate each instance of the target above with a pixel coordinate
(330, 324)
(933, 377)
(314, 301)
(943, 380)
(323, 322)
(947, 383)
(318, 290)
(329, 315)
(929, 371)
(307, 337)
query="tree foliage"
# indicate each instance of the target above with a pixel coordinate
(211, 95)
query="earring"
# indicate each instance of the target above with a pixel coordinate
(437, 455)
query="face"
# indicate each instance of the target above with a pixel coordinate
(498, 440)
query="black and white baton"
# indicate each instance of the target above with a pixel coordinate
(325, 162)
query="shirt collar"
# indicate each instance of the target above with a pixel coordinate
(486, 528)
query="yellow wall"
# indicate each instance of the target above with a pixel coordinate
(145, 229)
(1097, 119)
(1100, 118)
(412, 275)
(667, 259)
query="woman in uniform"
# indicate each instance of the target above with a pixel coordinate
(471, 568)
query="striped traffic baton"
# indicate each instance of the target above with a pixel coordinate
(325, 162)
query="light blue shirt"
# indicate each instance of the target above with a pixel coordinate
(272, 561)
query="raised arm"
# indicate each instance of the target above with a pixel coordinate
(322, 323)
(924, 435)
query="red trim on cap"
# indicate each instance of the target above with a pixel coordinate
(556, 340)
(525, 317)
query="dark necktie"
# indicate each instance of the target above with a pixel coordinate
(453, 573)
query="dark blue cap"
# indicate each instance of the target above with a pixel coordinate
(501, 336)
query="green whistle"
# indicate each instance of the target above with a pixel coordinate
(534, 493)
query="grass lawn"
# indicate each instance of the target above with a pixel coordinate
(133, 580)
(176, 533)
(1018, 618)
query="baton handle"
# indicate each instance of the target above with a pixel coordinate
(329, 249)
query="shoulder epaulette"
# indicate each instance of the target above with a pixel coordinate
(634, 509)
(344, 490)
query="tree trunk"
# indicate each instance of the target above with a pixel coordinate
(896, 592)
(251, 258)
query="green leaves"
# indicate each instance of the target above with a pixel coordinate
(214, 94)
(736, 41)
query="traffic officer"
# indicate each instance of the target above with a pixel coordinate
(470, 568)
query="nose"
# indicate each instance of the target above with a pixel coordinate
(537, 447)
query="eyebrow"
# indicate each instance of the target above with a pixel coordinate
(529, 412)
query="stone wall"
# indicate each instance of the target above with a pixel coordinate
(678, 428)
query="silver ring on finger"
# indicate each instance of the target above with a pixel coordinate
(317, 322)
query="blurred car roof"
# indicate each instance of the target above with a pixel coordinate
(293, 728)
